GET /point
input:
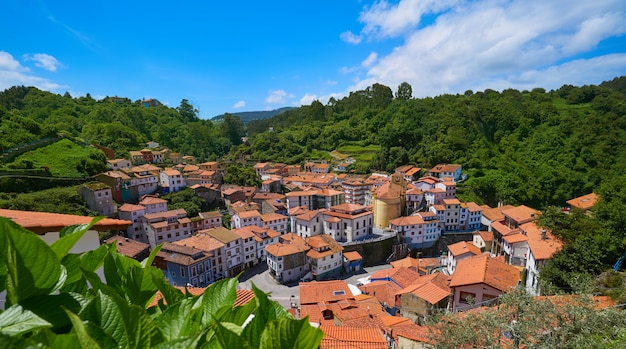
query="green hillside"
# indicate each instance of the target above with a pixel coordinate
(248, 116)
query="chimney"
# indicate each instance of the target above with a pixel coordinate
(543, 234)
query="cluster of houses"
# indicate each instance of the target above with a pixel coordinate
(304, 223)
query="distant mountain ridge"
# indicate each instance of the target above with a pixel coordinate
(248, 116)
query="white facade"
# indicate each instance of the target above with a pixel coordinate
(245, 219)
(171, 179)
(309, 224)
(275, 221)
(166, 226)
(132, 213)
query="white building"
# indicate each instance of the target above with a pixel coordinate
(153, 204)
(246, 218)
(416, 231)
(171, 180)
(275, 221)
(309, 224)
(348, 222)
(233, 247)
(133, 213)
(325, 257)
(286, 259)
(168, 226)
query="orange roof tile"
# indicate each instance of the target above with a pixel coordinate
(384, 291)
(201, 241)
(584, 202)
(268, 217)
(487, 270)
(521, 214)
(128, 247)
(131, 208)
(515, 238)
(248, 214)
(404, 221)
(542, 247)
(290, 244)
(342, 337)
(462, 247)
(45, 222)
(388, 191)
(352, 255)
(318, 292)
(413, 332)
(485, 235)
(495, 214)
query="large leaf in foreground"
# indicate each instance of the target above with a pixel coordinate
(17, 320)
(221, 294)
(290, 333)
(26, 274)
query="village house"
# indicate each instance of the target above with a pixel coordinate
(483, 240)
(153, 204)
(210, 166)
(185, 266)
(261, 168)
(275, 221)
(271, 202)
(414, 200)
(233, 249)
(424, 296)
(585, 202)
(212, 246)
(263, 237)
(352, 262)
(118, 164)
(422, 266)
(206, 220)
(459, 251)
(315, 199)
(143, 180)
(132, 213)
(171, 181)
(446, 170)
(203, 177)
(99, 198)
(347, 222)
(356, 190)
(417, 231)
(245, 218)
(480, 280)
(324, 257)
(384, 284)
(249, 246)
(318, 180)
(166, 226)
(130, 248)
(512, 219)
(286, 259)
(409, 172)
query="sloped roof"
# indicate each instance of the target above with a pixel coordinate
(322, 240)
(384, 291)
(248, 214)
(495, 213)
(128, 247)
(131, 208)
(44, 222)
(222, 234)
(584, 202)
(521, 214)
(541, 247)
(201, 241)
(318, 292)
(463, 247)
(342, 337)
(407, 220)
(432, 288)
(290, 244)
(487, 270)
(352, 256)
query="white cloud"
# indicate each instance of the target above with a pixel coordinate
(350, 37)
(278, 97)
(44, 61)
(12, 73)
(307, 99)
(239, 104)
(331, 82)
(369, 60)
(492, 44)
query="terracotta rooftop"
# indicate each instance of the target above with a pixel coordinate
(307, 216)
(320, 241)
(384, 291)
(201, 241)
(268, 217)
(495, 214)
(404, 221)
(183, 255)
(152, 200)
(487, 270)
(210, 214)
(444, 168)
(318, 292)
(45, 222)
(463, 247)
(249, 214)
(352, 256)
(485, 235)
(244, 233)
(521, 214)
(413, 332)
(131, 208)
(542, 247)
(401, 276)
(584, 202)
(432, 288)
(388, 191)
(342, 337)
(129, 247)
(515, 238)
(289, 244)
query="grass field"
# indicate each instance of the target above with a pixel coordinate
(62, 158)
(357, 152)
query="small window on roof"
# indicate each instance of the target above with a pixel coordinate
(339, 293)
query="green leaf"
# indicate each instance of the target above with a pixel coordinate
(27, 276)
(290, 333)
(267, 311)
(179, 320)
(48, 307)
(221, 294)
(16, 320)
(10, 342)
(69, 236)
(228, 335)
(81, 332)
(171, 294)
(181, 343)
(92, 260)
(148, 261)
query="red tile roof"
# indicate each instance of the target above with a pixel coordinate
(342, 337)
(584, 202)
(487, 270)
(290, 244)
(352, 256)
(542, 247)
(45, 222)
(318, 292)
(462, 247)
(521, 214)
(129, 247)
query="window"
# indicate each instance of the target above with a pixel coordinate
(467, 298)
(169, 236)
(182, 272)
(159, 237)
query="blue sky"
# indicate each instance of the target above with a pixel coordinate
(260, 55)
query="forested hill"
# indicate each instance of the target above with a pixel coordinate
(535, 147)
(248, 116)
(29, 114)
